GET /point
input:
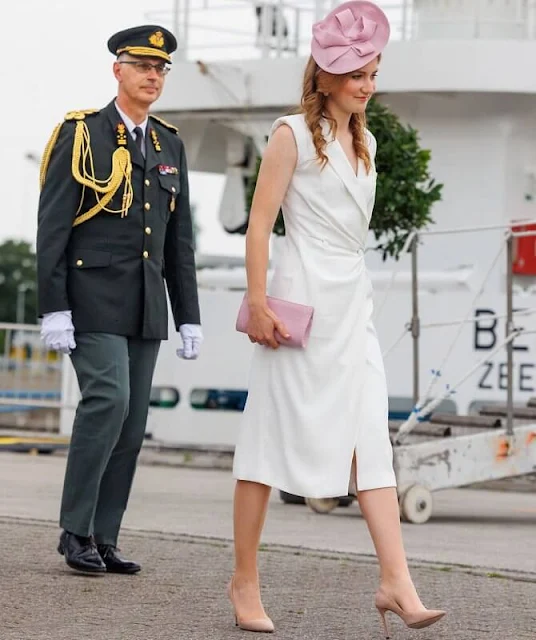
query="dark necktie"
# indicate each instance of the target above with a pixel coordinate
(139, 140)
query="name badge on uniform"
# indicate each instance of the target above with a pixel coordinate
(166, 170)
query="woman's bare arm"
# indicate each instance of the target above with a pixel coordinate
(277, 166)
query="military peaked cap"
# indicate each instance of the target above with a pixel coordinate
(147, 40)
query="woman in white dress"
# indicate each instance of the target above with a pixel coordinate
(317, 417)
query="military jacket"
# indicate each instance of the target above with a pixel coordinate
(114, 228)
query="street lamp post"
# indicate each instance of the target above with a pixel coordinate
(33, 157)
(28, 202)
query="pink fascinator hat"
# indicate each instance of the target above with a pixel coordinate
(349, 37)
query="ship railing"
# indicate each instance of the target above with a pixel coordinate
(249, 29)
(30, 379)
(234, 29)
(426, 400)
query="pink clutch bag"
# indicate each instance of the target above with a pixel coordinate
(297, 318)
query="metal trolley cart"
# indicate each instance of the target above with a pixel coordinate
(456, 451)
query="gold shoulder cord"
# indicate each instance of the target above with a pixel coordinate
(83, 170)
(166, 124)
(47, 153)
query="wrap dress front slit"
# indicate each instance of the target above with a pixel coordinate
(309, 410)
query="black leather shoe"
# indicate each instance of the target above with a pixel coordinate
(114, 562)
(81, 553)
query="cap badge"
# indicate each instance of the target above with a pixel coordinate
(157, 39)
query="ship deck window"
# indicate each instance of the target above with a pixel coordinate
(218, 399)
(164, 397)
(400, 407)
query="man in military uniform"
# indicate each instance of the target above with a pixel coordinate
(114, 225)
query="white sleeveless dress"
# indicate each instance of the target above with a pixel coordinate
(309, 410)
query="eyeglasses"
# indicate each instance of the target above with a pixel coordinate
(146, 67)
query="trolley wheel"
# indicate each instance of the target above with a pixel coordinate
(401, 493)
(322, 505)
(416, 504)
(290, 498)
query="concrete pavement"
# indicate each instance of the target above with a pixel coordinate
(475, 558)
(180, 594)
(487, 529)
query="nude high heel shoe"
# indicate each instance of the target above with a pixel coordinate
(260, 625)
(416, 620)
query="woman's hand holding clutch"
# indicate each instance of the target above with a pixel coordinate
(262, 327)
(262, 322)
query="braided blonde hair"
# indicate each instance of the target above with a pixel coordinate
(316, 82)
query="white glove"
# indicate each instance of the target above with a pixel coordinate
(57, 331)
(192, 338)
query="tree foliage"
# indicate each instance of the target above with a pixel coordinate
(405, 192)
(17, 282)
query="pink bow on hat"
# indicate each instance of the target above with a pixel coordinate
(349, 37)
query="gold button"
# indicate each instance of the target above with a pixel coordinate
(145, 254)
(147, 182)
(79, 263)
(173, 189)
(148, 230)
(147, 206)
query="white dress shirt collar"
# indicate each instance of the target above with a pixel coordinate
(128, 122)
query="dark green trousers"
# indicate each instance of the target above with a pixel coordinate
(115, 376)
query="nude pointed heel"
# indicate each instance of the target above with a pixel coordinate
(415, 620)
(384, 621)
(260, 625)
